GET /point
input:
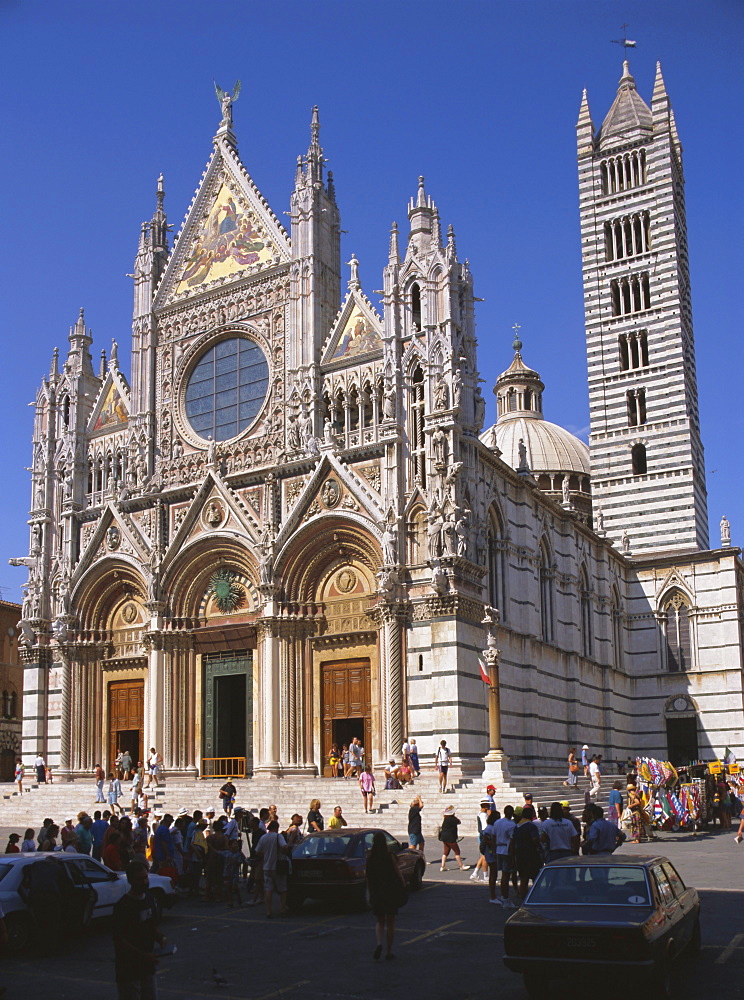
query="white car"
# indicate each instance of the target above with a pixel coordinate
(90, 891)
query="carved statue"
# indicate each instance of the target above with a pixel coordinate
(27, 637)
(456, 388)
(389, 402)
(177, 448)
(461, 530)
(522, 449)
(565, 490)
(480, 409)
(214, 513)
(294, 438)
(599, 517)
(725, 532)
(438, 578)
(439, 444)
(626, 541)
(440, 392)
(452, 473)
(450, 540)
(36, 541)
(306, 430)
(212, 453)
(389, 544)
(327, 431)
(387, 578)
(60, 631)
(226, 101)
(265, 567)
(434, 532)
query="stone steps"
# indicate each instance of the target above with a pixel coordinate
(289, 795)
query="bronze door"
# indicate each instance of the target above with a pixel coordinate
(347, 705)
(126, 720)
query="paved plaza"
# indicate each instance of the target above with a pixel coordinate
(448, 944)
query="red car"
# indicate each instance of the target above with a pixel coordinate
(332, 865)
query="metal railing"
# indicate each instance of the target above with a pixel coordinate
(223, 767)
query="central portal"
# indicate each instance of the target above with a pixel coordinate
(126, 713)
(347, 706)
(228, 714)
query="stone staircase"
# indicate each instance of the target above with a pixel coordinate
(290, 795)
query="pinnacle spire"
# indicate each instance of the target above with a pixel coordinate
(54, 370)
(159, 222)
(393, 254)
(315, 158)
(421, 199)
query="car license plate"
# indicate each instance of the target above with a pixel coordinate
(308, 876)
(579, 941)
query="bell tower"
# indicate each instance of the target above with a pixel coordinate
(648, 473)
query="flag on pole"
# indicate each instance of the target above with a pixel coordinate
(729, 757)
(483, 672)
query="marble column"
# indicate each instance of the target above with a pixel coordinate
(269, 729)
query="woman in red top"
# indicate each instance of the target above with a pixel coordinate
(111, 853)
(13, 847)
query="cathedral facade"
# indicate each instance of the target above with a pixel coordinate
(285, 527)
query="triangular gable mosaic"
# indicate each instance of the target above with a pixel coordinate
(356, 333)
(112, 408)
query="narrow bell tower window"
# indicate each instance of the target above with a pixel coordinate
(416, 436)
(638, 457)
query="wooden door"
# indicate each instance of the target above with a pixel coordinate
(126, 703)
(347, 694)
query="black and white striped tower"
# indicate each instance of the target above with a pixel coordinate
(648, 473)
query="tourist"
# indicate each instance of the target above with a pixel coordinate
(112, 854)
(154, 762)
(217, 844)
(41, 836)
(525, 850)
(100, 776)
(98, 831)
(346, 760)
(29, 844)
(163, 851)
(480, 872)
(337, 821)
(293, 833)
(559, 835)
(387, 892)
(415, 758)
(18, 775)
(448, 836)
(405, 771)
(114, 792)
(502, 832)
(567, 814)
(391, 776)
(12, 847)
(227, 795)
(443, 761)
(415, 835)
(125, 765)
(333, 760)
(84, 834)
(615, 804)
(135, 933)
(573, 769)
(585, 760)
(233, 860)
(356, 758)
(602, 837)
(272, 849)
(68, 836)
(314, 817)
(40, 768)
(595, 775)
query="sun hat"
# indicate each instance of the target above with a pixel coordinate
(485, 802)
(449, 811)
(565, 804)
(585, 747)
(183, 811)
(209, 811)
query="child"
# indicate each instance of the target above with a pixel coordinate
(114, 793)
(12, 847)
(29, 844)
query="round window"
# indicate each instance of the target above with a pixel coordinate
(226, 389)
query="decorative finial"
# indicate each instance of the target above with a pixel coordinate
(55, 362)
(114, 363)
(315, 127)
(393, 249)
(517, 345)
(160, 193)
(421, 200)
(226, 101)
(102, 372)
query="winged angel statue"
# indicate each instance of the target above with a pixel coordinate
(227, 101)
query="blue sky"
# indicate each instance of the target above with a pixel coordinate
(481, 98)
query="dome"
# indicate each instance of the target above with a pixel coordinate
(550, 448)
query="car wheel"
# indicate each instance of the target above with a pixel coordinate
(664, 986)
(417, 878)
(536, 987)
(695, 944)
(295, 901)
(159, 899)
(18, 926)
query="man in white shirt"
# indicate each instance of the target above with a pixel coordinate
(595, 776)
(40, 766)
(443, 761)
(272, 849)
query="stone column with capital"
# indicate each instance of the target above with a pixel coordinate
(269, 724)
(392, 714)
(496, 762)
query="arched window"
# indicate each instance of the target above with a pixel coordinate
(638, 457)
(587, 644)
(14, 705)
(676, 622)
(496, 557)
(6, 705)
(416, 306)
(546, 594)
(416, 433)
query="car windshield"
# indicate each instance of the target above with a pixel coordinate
(322, 847)
(594, 885)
